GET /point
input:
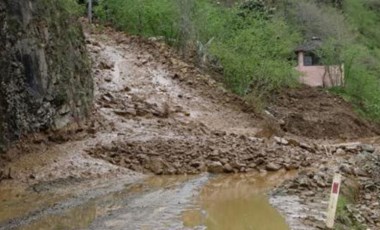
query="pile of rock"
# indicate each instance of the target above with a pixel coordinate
(215, 152)
(360, 166)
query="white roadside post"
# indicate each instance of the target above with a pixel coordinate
(334, 196)
(90, 11)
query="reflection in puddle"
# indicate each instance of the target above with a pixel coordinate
(17, 201)
(237, 202)
(77, 218)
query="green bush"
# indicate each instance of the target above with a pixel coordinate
(142, 17)
(256, 56)
(362, 83)
(72, 7)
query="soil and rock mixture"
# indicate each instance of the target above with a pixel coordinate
(172, 118)
(316, 113)
(166, 112)
(213, 152)
(359, 164)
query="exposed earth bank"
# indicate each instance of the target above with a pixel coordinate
(155, 113)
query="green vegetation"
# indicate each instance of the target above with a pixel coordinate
(143, 17)
(344, 218)
(72, 8)
(254, 53)
(252, 43)
(363, 56)
(349, 29)
(254, 49)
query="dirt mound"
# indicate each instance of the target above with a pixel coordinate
(316, 113)
(215, 152)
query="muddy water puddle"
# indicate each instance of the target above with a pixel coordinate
(237, 202)
(17, 201)
(181, 202)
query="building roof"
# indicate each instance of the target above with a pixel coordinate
(310, 45)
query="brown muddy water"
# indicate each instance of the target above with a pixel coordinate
(237, 202)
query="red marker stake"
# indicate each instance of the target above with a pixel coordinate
(334, 196)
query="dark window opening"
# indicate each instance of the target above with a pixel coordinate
(311, 59)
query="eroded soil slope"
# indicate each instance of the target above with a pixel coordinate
(172, 119)
(318, 114)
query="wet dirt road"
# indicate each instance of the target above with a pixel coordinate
(167, 202)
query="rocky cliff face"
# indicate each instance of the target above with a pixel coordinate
(45, 77)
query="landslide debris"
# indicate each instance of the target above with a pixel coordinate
(360, 166)
(171, 118)
(168, 117)
(318, 114)
(154, 113)
(196, 152)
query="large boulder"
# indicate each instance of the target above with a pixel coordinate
(45, 73)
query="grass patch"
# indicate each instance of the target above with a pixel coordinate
(344, 219)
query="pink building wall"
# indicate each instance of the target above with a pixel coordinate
(324, 76)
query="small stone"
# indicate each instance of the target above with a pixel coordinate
(273, 167)
(346, 169)
(368, 197)
(305, 163)
(281, 141)
(340, 152)
(308, 193)
(291, 167)
(260, 161)
(215, 167)
(195, 164)
(293, 142)
(224, 160)
(303, 181)
(307, 147)
(319, 181)
(368, 148)
(156, 165)
(262, 171)
(237, 165)
(104, 65)
(228, 168)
